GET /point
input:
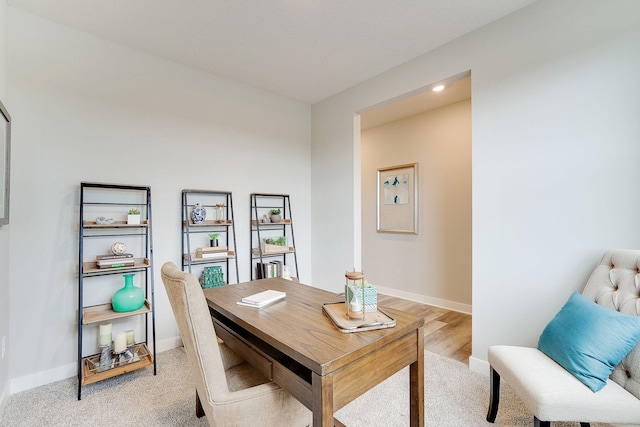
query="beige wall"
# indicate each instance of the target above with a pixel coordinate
(433, 266)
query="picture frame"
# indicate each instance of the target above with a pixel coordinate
(398, 199)
(5, 163)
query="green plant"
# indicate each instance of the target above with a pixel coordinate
(275, 212)
(134, 211)
(281, 241)
(213, 236)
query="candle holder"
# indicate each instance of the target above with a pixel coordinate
(125, 357)
(106, 361)
(219, 213)
(354, 294)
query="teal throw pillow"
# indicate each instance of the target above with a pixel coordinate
(589, 340)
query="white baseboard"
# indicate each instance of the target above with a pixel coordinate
(37, 379)
(168, 344)
(478, 365)
(4, 398)
(423, 299)
(70, 370)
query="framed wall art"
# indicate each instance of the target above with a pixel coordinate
(398, 199)
(5, 163)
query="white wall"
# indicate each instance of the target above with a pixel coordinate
(88, 110)
(556, 93)
(5, 229)
(434, 266)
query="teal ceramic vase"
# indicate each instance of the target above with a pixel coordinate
(129, 298)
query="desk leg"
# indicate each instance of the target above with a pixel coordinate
(322, 389)
(416, 384)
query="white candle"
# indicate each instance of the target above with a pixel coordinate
(105, 334)
(131, 337)
(356, 307)
(120, 342)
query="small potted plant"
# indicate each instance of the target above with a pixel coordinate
(274, 245)
(133, 216)
(275, 215)
(213, 239)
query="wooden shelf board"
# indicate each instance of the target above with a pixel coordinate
(289, 250)
(283, 222)
(91, 267)
(194, 259)
(89, 374)
(210, 223)
(116, 224)
(103, 312)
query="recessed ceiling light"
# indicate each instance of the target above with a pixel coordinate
(438, 88)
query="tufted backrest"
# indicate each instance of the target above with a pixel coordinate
(615, 283)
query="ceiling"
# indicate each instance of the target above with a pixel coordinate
(306, 50)
(456, 89)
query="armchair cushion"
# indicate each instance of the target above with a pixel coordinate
(589, 340)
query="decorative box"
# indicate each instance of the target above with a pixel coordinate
(370, 295)
(212, 277)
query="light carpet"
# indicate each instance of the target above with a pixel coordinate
(454, 397)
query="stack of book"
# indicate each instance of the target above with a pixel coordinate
(266, 270)
(262, 299)
(115, 261)
(212, 252)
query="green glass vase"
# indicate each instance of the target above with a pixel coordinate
(129, 298)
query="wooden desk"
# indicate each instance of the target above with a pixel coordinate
(306, 354)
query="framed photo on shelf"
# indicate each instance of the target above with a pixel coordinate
(398, 199)
(5, 163)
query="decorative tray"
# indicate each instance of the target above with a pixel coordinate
(378, 319)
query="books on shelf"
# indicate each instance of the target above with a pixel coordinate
(208, 253)
(111, 256)
(266, 270)
(115, 263)
(262, 299)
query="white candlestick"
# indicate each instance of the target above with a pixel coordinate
(120, 342)
(105, 334)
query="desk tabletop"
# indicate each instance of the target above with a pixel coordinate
(298, 327)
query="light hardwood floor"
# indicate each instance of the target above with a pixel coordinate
(446, 332)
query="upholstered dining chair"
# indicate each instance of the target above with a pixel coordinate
(581, 340)
(230, 391)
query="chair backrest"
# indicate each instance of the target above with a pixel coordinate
(615, 283)
(198, 335)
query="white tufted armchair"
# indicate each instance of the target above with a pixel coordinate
(551, 392)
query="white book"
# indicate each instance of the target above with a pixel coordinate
(262, 298)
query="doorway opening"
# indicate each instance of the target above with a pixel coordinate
(431, 270)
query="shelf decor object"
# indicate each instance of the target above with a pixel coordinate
(354, 294)
(198, 214)
(128, 298)
(363, 291)
(133, 217)
(102, 253)
(398, 199)
(212, 277)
